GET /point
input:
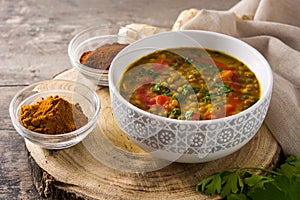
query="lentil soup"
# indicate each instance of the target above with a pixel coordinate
(190, 83)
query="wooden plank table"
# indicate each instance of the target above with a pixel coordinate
(33, 47)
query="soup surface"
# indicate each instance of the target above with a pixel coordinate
(190, 83)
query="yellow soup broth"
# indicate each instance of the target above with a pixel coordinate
(190, 83)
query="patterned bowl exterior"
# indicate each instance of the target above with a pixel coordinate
(182, 140)
(186, 141)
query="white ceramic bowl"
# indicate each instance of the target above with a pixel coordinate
(71, 91)
(182, 140)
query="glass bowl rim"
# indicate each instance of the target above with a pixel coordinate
(79, 131)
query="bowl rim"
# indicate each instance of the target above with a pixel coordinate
(264, 95)
(25, 131)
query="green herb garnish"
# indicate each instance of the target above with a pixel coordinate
(222, 103)
(245, 184)
(176, 63)
(206, 98)
(188, 115)
(188, 60)
(176, 112)
(157, 87)
(167, 92)
(213, 68)
(244, 96)
(224, 88)
(186, 89)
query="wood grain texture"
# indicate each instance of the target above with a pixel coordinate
(80, 172)
(75, 172)
(15, 173)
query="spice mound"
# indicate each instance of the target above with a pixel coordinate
(53, 115)
(101, 57)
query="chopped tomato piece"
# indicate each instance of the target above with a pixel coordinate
(209, 116)
(144, 95)
(160, 60)
(222, 65)
(235, 86)
(195, 116)
(162, 100)
(152, 101)
(226, 74)
(235, 101)
(229, 109)
(160, 63)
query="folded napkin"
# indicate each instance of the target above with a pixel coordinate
(275, 33)
(273, 28)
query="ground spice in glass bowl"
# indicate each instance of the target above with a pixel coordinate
(101, 57)
(55, 114)
(92, 51)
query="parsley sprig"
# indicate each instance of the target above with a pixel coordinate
(246, 184)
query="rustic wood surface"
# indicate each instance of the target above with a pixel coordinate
(83, 171)
(33, 47)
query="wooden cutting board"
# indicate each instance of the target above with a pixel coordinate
(79, 173)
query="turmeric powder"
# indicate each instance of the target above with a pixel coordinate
(53, 115)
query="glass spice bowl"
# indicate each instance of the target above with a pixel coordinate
(92, 38)
(71, 91)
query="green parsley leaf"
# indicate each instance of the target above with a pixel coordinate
(244, 96)
(291, 167)
(166, 92)
(206, 98)
(175, 111)
(289, 185)
(269, 192)
(186, 89)
(175, 96)
(187, 59)
(243, 184)
(213, 68)
(211, 185)
(157, 87)
(222, 103)
(225, 88)
(188, 115)
(239, 196)
(232, 183)
(176, 63)
(257, 181)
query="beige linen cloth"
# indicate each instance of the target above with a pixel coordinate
(273, 28)
(275, 33)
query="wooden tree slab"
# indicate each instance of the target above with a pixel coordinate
(77, 172)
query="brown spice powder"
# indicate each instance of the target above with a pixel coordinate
(53, 115)
(101, 57)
